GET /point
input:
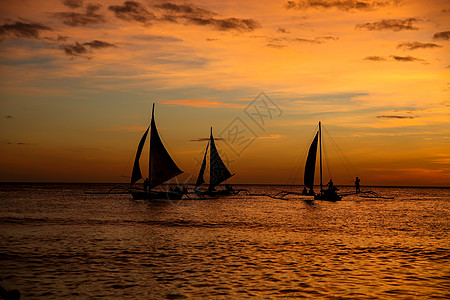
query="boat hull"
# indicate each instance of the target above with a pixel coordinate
(328, 197)
(156, 195)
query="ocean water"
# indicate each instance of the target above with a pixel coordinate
(57, 242)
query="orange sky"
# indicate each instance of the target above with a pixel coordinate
(79, 77)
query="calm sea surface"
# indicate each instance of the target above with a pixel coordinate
(56, 242)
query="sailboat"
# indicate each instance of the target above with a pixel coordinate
(161, 168)
(218, 172)
(329, 194)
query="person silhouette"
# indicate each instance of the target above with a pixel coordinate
(330, 184)
(305, 191)
(357, 180)
(146, 184)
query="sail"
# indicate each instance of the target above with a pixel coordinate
(218, 172)
(136, 174)
(200, 179)
(310, 165)
(161, 165)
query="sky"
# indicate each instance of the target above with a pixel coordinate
(79, 79)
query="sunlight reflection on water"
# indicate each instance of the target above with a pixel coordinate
(58, 242)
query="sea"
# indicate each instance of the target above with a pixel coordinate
(78, 241)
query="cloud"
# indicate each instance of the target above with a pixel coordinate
(445, 161)
(159, 38)
(25, 144)
(8, 142)
(282, 30)
(327, 38)
(62, 38)
(315, 41)
(187, 14)
(75, 49)
(125, 128)
(204, 103)
(90, 17)
(73, 3)
(276, 46)
(443, 35)
(375, 58)
(280, 42)
(96, 44)
(78, 49)
(186, 10)
(345, 5)
(396, 117)
(9, 117)
(272, 136)
(133, 11)
(22, 30)
(243, 25)
(206, 139)
(406, 58)
(191, 14)
(391, 24)
(417, 45)
(394, 57)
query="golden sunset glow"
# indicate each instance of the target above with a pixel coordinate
(79, 79)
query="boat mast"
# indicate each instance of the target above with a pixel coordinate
(320, 153)
(150, 150)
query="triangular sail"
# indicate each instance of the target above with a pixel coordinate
(136, 174)
(161, 165)
(310, 165)
(200, 179)
(218, 172)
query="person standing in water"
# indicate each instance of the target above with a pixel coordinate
(358, 190)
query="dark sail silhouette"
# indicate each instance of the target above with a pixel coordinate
(161, 165)
(200, 179)
(136, 174)
(310, 166)
(218, 172)
(329, 194)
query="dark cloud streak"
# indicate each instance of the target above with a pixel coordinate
(394, 57)
(375, 58)
(406, 58)
(186, 10)
(133, 11)
(194, 15)
(89, 17)
(443, 35)
(22, 30)
(243, 25)
(205, 139)
(187, 14)
(75, 49)
(73, 3)
(391, 24)
(417, 45)
(96, 44)
(80, 50)
(345, 5)
(282, 30)
(396, 117)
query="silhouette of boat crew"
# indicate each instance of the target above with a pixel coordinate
(358, 190)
